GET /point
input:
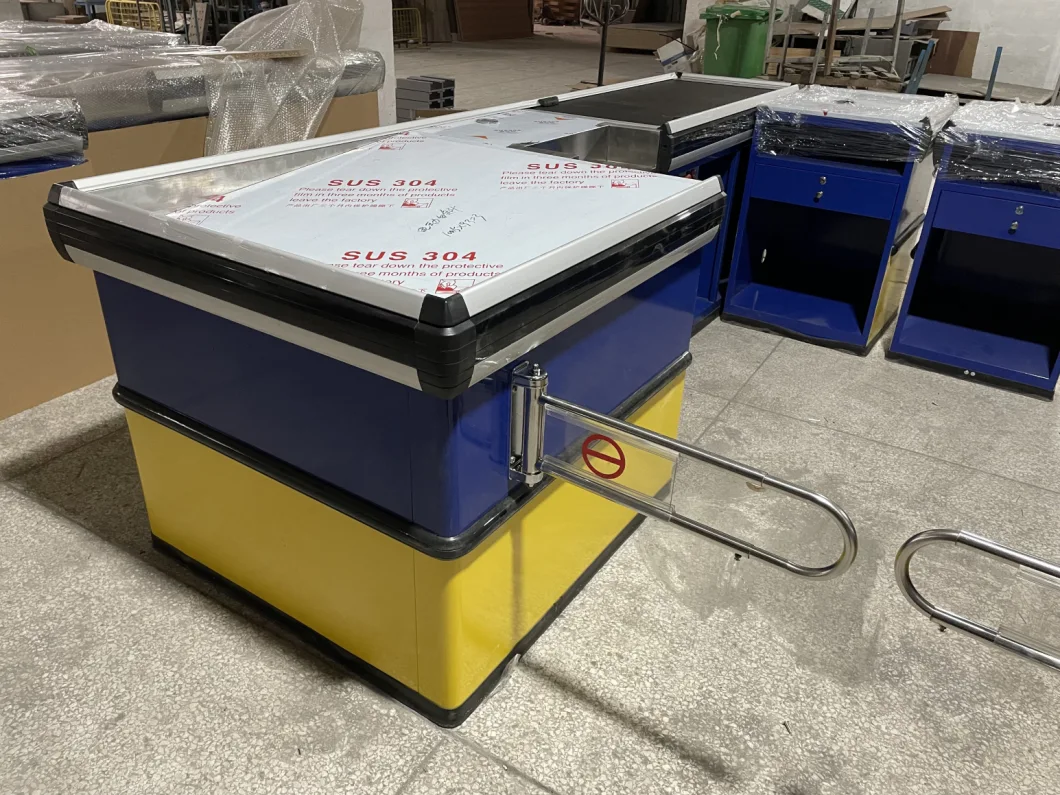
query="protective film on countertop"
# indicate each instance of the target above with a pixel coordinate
(430, 215)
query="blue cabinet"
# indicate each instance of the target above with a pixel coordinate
(984, 292)
(822, 246)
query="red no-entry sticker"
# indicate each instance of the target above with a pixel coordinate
(604, 463)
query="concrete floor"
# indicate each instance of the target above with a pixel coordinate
(494, 72)
(675, 671)
(671, 673)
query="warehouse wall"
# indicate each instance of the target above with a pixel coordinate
(377, 33)
(1029, 30)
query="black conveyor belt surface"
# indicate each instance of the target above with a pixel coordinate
(659, 103)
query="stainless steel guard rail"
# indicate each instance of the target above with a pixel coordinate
(528, 463)
(945, 618)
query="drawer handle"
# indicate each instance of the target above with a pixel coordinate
(1012, 229)
(817, 198)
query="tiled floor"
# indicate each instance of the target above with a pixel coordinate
(675, 671)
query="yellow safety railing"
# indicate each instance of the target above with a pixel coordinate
(134, 14)
(408, 27)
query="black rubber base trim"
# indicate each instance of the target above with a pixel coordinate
(706, 320)
(386, 522)
(860, 350)
(446, 718)
(980, 378)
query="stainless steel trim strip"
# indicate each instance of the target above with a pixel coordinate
(707, 151)
(371, 362)
(510, 283)
(506, 356)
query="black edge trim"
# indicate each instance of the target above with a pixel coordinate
(514, 318)
(449, 310)
(328, 314)
(54, 195)
(56, 190)
(666, 150)
(959, 372)
(443, 356)
(446, 718)
(361, 510)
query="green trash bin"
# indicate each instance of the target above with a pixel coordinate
(735, 43)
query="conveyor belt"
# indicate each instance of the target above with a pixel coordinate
(659, 103)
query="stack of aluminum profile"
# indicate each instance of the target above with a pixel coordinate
(415, 94)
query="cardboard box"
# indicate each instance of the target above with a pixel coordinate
(954, 53)
(52, 338)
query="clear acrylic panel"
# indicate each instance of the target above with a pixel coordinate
(1032, 616)
(613, 459)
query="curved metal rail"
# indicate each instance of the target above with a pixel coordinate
(945, 618)
(761, 479)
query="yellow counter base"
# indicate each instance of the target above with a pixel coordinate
(434, 633)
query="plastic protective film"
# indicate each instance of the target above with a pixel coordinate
(425, 213)
(20, 39)
(1006, 142)
(259, 102)
(890, 127)
(40, 128)
(129, 87)
(269, 81)
(713, 132)
(603, 459)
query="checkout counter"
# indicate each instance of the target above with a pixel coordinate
(984, 293)
(835, 194)
(407, 391)
(697, 126)
(694, 126)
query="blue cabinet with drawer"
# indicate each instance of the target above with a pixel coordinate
(823, 242)
(984, 292)
(826, 188)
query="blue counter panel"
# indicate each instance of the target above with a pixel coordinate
(959, 346)
(729, 167)
(439, 463)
